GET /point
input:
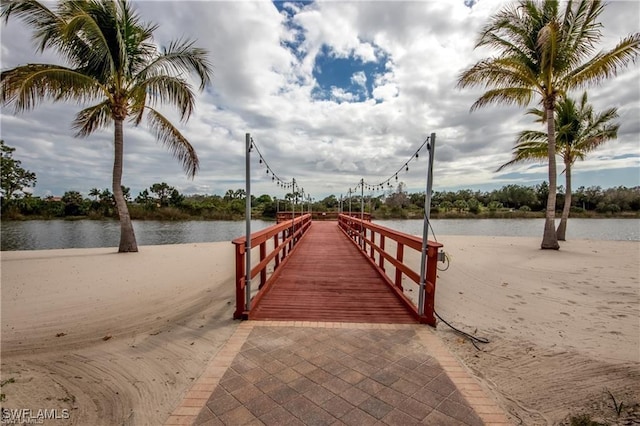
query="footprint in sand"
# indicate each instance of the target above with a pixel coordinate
(565, 313)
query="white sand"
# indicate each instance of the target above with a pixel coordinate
(168, 310)
(564, 326)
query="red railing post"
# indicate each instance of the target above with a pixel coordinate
(240, 283)
(276, 243)
(381, 257)
(372, 244)
(399, 258)
(263, 272)
(430, 288)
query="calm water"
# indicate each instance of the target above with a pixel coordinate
(55, 234)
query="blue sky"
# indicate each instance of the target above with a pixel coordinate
(332, 92)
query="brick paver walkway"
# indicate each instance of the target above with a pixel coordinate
(301, 374)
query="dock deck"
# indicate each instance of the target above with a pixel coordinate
(329, 279)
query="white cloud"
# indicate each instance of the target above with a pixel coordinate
(261, 87)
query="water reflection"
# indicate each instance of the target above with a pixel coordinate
(56, 234)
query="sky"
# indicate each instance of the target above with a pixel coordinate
(331, 93)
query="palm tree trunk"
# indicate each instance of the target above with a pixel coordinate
(562, 228)
(127, 236)
(549, 239)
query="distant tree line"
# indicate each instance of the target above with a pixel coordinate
(163, 202)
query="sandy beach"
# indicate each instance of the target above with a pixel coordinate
(564, 327)
(119, 339)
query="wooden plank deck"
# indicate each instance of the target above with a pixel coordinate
(328, 279)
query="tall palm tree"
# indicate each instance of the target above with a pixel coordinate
(543, 53)
(114, 63)
(578, 131)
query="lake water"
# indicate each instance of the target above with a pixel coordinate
(55, 234)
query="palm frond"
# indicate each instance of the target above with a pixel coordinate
(541, 115)
(27, 85)
(92, 118)
(137, 103)
(581, 31)
(547, 47)
(499, 73)
(531, 147)
(604, 64)
(174, 141)
(181, 57)
(531, 138)
(34, 14)
(163, 89)
(510, 96)
(94, 54)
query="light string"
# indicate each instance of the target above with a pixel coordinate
(387, 182)
(292, 184)
(274, 176)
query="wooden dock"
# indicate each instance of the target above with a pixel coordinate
(329, 279)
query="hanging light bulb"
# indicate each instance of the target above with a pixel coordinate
(407, 166)
(396, 177)
(273, 178)
(260, 160)
(417, 155)
(267, 171)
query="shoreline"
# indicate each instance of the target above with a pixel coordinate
(417, 216)
(138, 329)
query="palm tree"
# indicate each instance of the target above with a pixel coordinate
(544, 53)
(94, 192)
(114, 63)
(578, 131)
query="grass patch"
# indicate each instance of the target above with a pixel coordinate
(584, 420)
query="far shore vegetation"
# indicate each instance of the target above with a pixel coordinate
(163, 202)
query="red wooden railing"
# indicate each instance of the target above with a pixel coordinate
(286, 215)
(371, 239)
(284, 236)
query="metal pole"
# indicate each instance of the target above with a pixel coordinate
(247, 214)
(293, 212)
(425, 227)
(349, 201)
(362, 213)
